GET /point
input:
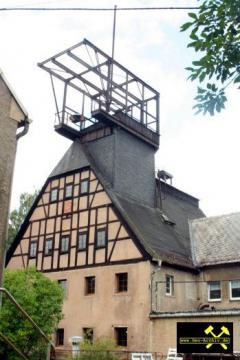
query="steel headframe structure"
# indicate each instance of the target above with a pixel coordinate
(103, 84)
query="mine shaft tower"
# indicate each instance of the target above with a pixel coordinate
(96, 91)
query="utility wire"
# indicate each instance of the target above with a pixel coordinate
(96, 9)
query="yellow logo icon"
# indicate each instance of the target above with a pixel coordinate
(218, 339)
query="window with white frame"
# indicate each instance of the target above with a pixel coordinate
(84, 187)
(68, 191)
(169, 285)
(48, 246)
(64, 244)
(234, 288)
(214, 291)
(82, 240)
(54, 195)
(101, 237)
(33, 249)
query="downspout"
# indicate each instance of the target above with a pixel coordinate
(25, 129)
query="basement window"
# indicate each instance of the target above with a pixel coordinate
(214, 291)
(234, 287)
(60, 337)
(122, 282)
(169, 285)
(121, 336)
(89, 285)
(33, 249)
(84, 187)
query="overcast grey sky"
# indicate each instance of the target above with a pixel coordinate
(201, 152)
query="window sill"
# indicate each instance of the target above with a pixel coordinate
(214, 300)
(234, 299)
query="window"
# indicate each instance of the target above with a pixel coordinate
(122, 282)
(68, 191)
(63, 284)
(169, 285)
(64, 244)
(234, 289)
(59, 337)
(101, 238)
(89, 285)
(54, 195)
(48, 247)
(121, 336)
(88, 334)
(82, 240)
(33, 249)
(214, 291)
(84, 187)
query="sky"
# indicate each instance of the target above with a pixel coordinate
(199, 151)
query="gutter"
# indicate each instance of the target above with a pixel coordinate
(192, 314)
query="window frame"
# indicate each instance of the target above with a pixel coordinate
(88, 286)
(209, 290)
(230, 290)
(81, 182)
(54, 189)
(116, 331)
(82, 233)
(96, 238)
(45, 253)
(171, 278)
(58, 337)
(65, 289)
(66, 196)
(61, 240)
(33, 242)
(88, 334)
(120, 283)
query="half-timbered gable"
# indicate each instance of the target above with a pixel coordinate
(74, 224)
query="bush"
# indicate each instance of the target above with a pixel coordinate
(102, 349)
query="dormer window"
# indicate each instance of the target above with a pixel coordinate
(68, 191)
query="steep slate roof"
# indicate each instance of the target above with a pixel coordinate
(216, 240)
(161, 240)
(164, 240)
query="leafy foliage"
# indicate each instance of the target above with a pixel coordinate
(42, 299)
(215, 33)
(17, 216)
(102, 349)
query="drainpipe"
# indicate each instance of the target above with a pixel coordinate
(26, 123)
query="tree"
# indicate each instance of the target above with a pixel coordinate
(42, 299)
(215, 33)
(17, 216)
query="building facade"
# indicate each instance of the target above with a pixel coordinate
(128, 248)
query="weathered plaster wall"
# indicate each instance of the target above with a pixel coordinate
(8, 143)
